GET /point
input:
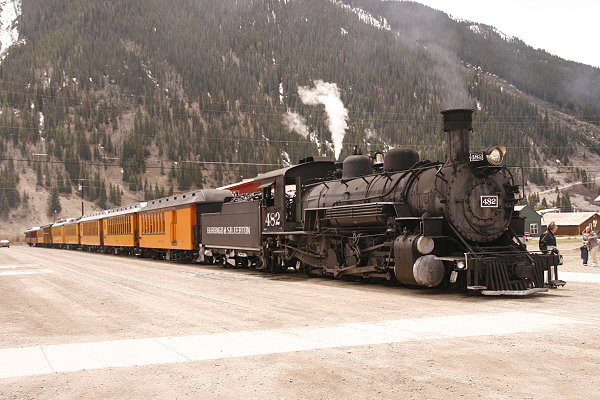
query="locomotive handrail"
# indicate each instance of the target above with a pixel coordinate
(459, 236)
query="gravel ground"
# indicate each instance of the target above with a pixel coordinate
(74, 297)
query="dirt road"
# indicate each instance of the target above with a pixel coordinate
(78, 325)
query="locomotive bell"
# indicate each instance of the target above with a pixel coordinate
(458, 123)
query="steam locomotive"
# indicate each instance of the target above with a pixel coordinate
(423, 223)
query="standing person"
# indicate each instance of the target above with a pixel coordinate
(548, 240)
(591, 240)
(548, 245)
(584, 249)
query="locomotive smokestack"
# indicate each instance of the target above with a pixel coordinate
(458, 123)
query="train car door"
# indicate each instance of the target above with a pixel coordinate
(173, 227)
(135, 229)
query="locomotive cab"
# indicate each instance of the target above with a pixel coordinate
(281, 208)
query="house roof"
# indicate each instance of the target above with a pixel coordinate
(597, 198)
(567, 219)
(548, 210)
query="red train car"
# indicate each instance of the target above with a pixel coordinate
(31, 236)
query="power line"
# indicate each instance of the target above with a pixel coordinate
(142, 165)
(435, 116)
(305, 141)
(237, 102)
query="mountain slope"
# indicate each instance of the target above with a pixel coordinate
(136, 98)
(571, 85)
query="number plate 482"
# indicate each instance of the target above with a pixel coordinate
(489, 201)
(273, 219)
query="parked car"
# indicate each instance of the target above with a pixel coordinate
(4, 243)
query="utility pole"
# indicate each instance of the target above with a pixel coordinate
(81, 190)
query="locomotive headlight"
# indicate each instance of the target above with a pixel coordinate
(425, 245)
(495, 155)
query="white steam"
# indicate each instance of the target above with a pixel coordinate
(370, 134)
(296, 123)
(328, 95)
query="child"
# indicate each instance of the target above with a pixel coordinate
(584, 250)
(591, 240)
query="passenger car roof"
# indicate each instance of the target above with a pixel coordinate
(67, 221)
(115, 212)
(196, 196)
(93, 217)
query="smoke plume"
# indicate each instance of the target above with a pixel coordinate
(296, 123)
(328, 95)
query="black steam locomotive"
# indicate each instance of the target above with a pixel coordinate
(423, 223)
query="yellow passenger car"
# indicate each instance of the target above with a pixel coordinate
(71, 233)
(120, 229)
(58, 238)
(90, 231)
(65, 233)
(169, 228)
(46, 236)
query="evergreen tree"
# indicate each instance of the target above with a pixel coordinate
(54, 206)
(25, 199)
(39, 176)
(566, 205)
(102, 196)
(4, 206)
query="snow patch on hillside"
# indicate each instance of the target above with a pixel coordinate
(285, 158)
(41, 123)
(149, 74)
(365, 16)
(10, 10)
(281, 92)
(488, 31)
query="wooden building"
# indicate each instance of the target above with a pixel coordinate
(572, 224)
(533, 220)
